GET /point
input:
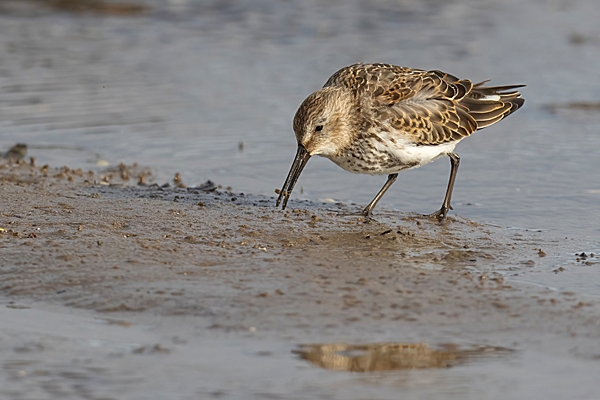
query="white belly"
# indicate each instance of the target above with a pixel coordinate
(390, 157)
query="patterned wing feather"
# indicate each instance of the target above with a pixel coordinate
(432, 114)
(432, 107)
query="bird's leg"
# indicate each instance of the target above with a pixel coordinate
(442, 212)
(367, 212)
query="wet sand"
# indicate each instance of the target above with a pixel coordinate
(204, 279)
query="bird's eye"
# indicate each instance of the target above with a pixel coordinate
(319, 128)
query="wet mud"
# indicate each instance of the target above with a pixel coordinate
(233, 263)
(81, 230)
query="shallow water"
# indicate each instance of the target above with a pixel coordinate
(210, 89)
(67, 355)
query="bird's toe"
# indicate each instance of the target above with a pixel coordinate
(440, 214)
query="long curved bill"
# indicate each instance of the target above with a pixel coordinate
(302, 156)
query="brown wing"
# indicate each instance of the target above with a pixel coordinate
(432, 106)
(488, 105)
(382, 81)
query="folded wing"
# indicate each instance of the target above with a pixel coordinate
(430, 106)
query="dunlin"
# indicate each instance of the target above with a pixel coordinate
(382, 119)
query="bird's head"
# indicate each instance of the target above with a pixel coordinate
(322, 123)
(323, 127)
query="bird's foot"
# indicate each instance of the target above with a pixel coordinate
(368, 214)
(440, 214)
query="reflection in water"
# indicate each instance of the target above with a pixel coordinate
(391, 356)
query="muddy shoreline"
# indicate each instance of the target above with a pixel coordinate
(235, 266)
(78, 238)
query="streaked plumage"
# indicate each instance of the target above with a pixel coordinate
(382, 119)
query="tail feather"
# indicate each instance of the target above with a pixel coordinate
(490, 104)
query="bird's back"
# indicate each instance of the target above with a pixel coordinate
(431, 107)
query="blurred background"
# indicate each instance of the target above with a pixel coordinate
(209, 89)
